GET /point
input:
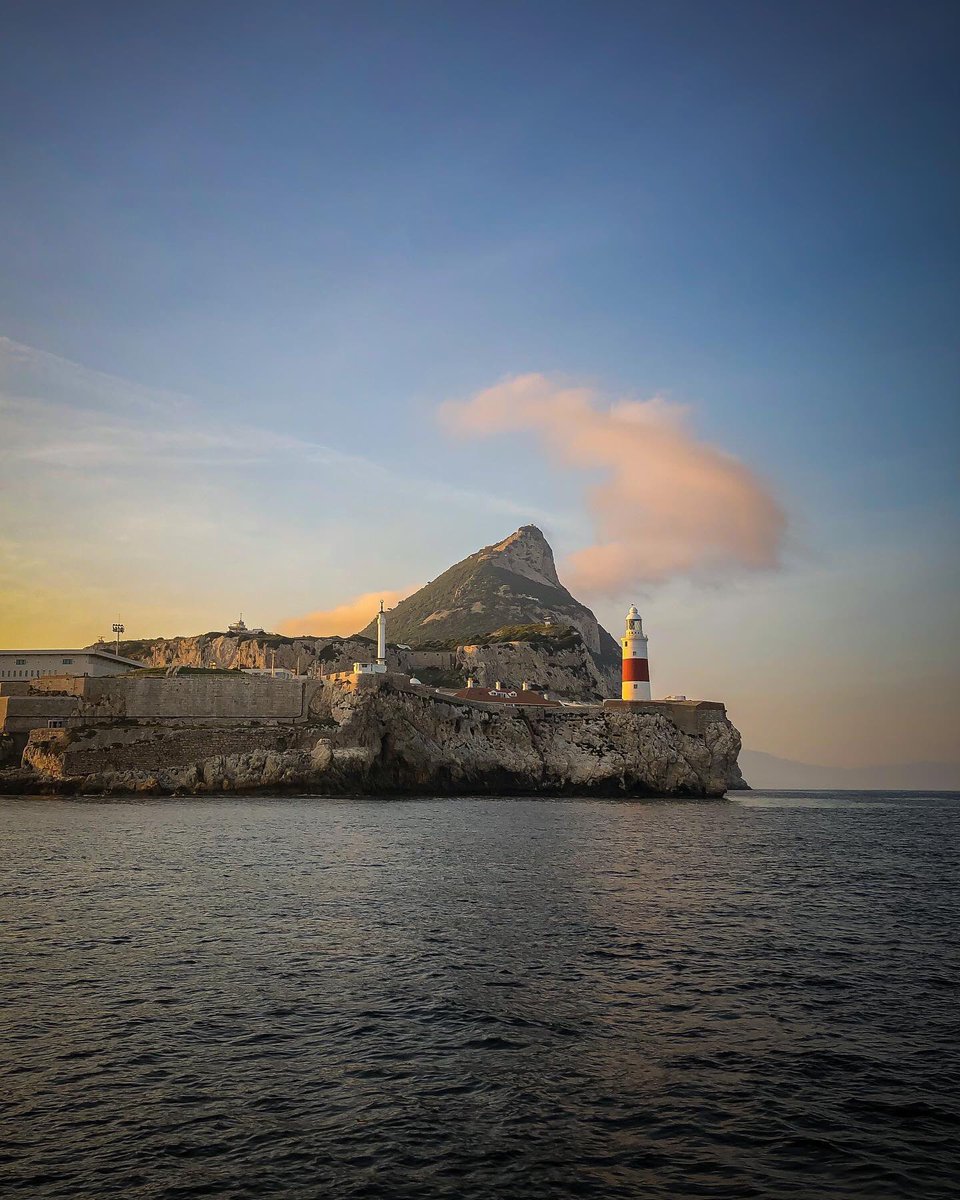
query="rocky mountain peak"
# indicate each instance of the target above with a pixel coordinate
(527, 553)
(510, 585)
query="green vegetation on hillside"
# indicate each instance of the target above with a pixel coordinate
(438, 677)
(139, 651)
(480, 598)
(550, 637)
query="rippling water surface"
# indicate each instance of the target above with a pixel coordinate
(490, 998)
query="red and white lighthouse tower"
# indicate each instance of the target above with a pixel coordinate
(636, 669)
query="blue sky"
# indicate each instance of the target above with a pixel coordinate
(322, 221)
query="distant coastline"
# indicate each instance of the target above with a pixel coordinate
(768, 771)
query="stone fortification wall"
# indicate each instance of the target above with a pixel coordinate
(149, 750)
(412, 661)
(690, 716)
(236, 697)
(214, 698)
(15, 687)
(19, 714)
(59, 685)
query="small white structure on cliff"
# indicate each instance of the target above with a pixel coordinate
(635, 679)
(380, 666)
(239, 629)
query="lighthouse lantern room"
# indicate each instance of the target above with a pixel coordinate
(636, 669)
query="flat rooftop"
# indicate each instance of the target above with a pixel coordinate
(107, 654)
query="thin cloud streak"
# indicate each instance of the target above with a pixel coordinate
(112, 424)
(668, 505)
(48, 372)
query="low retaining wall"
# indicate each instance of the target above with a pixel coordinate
(213, 697)
(145, 748)
(689, 716)
(20, 714)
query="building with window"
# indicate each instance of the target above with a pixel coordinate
(35, 664)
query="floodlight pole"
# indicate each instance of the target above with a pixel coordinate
(118, 629)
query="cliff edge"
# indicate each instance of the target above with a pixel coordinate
(376, 735)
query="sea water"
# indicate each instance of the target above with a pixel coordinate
(481, 998)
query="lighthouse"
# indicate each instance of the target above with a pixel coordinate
(379, 667)
(382, 638)
(636, 670)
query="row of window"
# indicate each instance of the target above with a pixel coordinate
(28, 674)
(22, 662)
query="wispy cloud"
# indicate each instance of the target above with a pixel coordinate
(349, 617)
(669, 503)
(60, 414)
(36, 372)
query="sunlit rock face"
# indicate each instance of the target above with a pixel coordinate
(260, 651)
(511, 583)
(567, 672)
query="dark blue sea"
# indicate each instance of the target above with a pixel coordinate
(299, 998)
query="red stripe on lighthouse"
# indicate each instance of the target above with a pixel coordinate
(636, 670)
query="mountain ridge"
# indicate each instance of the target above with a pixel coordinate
(513, 582)
(501, 613)
(768, 771)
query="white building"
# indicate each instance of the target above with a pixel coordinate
(34, 664)
(239, 629)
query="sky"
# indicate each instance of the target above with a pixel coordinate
(300, 303)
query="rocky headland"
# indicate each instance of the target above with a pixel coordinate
(370, 736)
(199, 720)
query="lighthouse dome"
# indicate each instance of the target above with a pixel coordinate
(633, 612)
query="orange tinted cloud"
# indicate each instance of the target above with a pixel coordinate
(345, 618)
(668, 503)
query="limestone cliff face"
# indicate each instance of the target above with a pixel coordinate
(568, 673)
(526, 553)
(408, 743)
(9, 756)
(382, 736)
(250, 650)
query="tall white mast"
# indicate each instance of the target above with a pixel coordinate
(381, 637)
